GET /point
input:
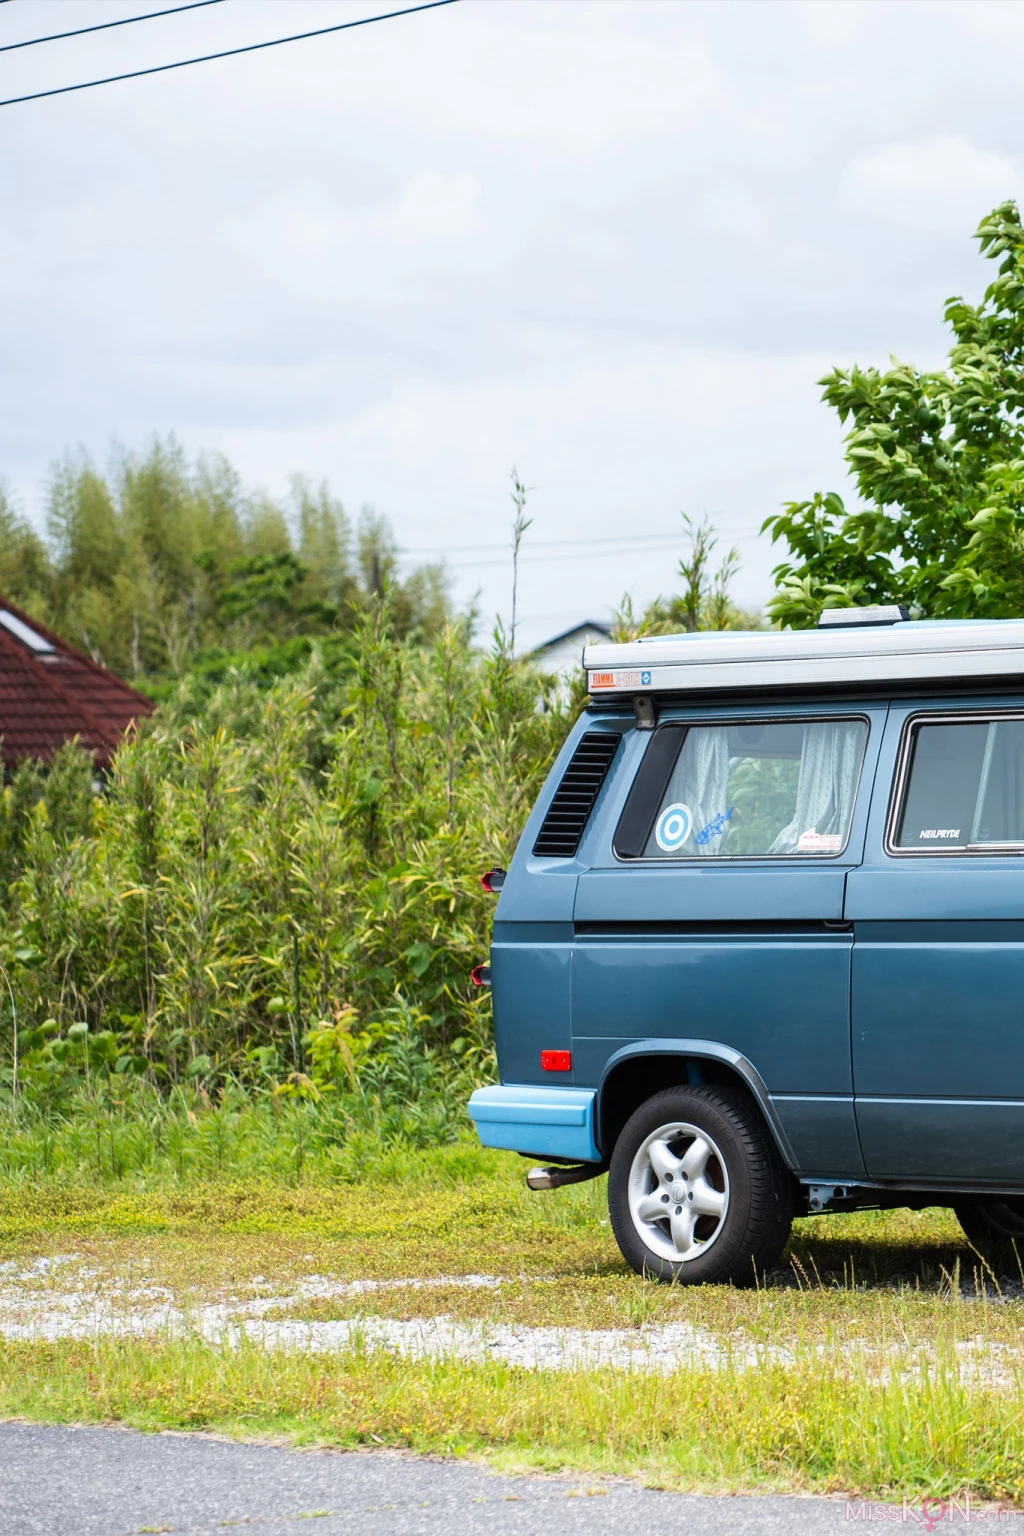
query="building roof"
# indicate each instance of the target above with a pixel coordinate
(50, 693)
(588, 627)
(901, 653)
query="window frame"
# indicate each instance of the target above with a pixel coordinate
(717, 859)
(901, 784)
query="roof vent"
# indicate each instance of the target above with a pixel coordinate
(853, 618)
(574, 798)
(21, 631)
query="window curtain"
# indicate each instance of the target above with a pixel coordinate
(829, 765)
(700, 780)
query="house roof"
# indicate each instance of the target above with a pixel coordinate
(50, 693)
(589, 626)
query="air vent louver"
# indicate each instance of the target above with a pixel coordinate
(570, 809)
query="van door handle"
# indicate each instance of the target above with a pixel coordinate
(838, 926)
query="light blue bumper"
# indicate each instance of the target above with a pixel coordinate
(547, 1122)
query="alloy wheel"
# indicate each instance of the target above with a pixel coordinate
(678, 1192)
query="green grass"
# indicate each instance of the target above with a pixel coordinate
(813, 1428)
(880, 1312)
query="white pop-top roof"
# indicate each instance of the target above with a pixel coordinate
(906, 652)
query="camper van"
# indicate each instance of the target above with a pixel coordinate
(760, 951)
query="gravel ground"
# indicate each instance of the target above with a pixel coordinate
(110, 1482)
(35, 1304)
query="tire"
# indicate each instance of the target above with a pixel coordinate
(995, 1228)
(731, 1199)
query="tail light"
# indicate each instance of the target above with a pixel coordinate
(480, 975)
(493, 880)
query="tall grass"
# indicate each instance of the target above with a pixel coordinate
(280, 889)
(820, 1427)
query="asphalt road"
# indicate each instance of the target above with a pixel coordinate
(114, 1482)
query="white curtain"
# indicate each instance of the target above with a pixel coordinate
(700, 780)
(829, 766)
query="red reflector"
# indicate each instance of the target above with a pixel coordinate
(493, 880)
(556, 1061)
(480, 975)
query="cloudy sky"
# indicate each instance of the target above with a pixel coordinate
(612, 244)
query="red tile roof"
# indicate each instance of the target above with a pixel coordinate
(51, 694)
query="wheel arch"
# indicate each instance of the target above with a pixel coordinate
(644, 1067)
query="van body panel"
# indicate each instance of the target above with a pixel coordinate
(938, 994)
(540, 891)
(904, 1138)
(783, 1003)
(752, 952)
(695, 1057)
(531, 947)
(530, 980)
(877, 996)
(732, 893)
(822, 1132)
(969, 890)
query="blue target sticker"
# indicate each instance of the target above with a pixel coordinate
(645, 678)
(674, 827)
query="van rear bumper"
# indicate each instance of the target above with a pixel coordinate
(546, 1122)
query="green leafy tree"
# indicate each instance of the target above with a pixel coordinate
(705, 600)
(165, 566)
(938, 462)
(26, 574)
(260, 596)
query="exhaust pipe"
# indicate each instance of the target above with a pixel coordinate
(554, 1178)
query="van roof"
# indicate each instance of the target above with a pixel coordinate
(860, 653)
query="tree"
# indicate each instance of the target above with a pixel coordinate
(705, 601)
(165, 566)
(25, 574)
(938, 461)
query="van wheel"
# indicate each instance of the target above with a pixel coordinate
(994, 1227)
(697, 1192)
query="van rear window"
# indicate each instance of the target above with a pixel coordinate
(758, 789)
(964, 786)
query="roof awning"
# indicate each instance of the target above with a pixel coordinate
(896, 653)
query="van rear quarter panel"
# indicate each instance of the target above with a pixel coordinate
(532, 943)
(752, 954)
(773, 984)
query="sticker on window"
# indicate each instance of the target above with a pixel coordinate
(716, 827)
(674, 826)
(819, 842)
(951, 834)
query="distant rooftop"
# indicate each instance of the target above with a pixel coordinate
(566, 648)
(50, 693)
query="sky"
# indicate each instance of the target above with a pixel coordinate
(614, 245)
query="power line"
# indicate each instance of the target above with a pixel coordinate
(623, 542)
(466, 549)
(228, 53)
(458, 564)
(572, 554)
(101, 26)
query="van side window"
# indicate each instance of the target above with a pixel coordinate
(755, 790)
(963, 786)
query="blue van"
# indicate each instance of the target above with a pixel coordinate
(760, 951)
